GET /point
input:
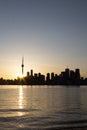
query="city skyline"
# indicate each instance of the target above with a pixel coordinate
(50, 34)
(66, 77)
(24, 74)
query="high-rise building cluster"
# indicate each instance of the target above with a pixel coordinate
(66, 77)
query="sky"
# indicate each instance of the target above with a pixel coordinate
(50, 34)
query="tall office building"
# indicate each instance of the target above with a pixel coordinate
(52, 76)
(48, 77)
(31, 72)
(67, 73)
(27, 74)
(77, 74)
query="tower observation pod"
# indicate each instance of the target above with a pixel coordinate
(22, 66)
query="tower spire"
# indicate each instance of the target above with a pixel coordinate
(22, 66)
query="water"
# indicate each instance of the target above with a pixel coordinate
(42, 107)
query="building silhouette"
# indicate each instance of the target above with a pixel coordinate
(22, 66)
(31, 72)
(66, 77)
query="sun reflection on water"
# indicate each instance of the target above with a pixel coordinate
(20, 99)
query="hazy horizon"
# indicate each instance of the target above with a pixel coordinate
(50, 34)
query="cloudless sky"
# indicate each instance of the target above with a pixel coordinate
(50, 34)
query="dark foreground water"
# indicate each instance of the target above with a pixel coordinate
(42, 107)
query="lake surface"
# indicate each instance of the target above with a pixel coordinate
(41, 107)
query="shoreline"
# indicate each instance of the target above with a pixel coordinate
(67, 128)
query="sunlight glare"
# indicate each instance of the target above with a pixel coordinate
(20, 76)
(20, 99)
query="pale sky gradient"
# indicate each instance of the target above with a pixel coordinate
(50, 34)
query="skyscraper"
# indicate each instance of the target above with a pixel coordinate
(67, 73)
(31, 72)
(77, 74)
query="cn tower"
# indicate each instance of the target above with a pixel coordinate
(22, 66)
